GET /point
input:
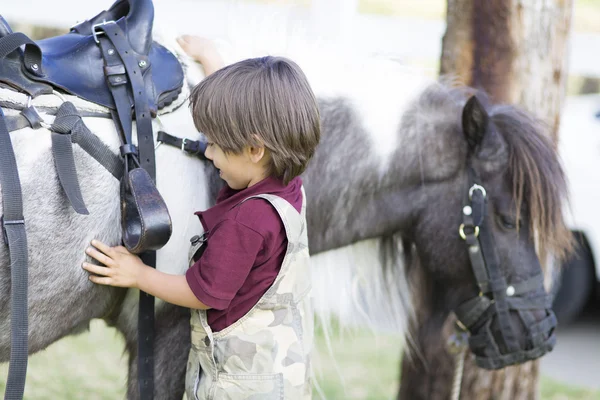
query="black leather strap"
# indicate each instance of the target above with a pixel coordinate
(20, 121)
(146, 333)
(34, 119)
(115, 39)
(115, 36)
(471, 232)
(499, 300)
(192, 147)
(13, 230)
(472, 310)
(144, 216)
(497, 281)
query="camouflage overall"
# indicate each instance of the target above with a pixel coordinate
(266, 354)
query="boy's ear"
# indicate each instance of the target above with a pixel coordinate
(257, 150)
(256, 153)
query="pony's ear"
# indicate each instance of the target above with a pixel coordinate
(475, 122)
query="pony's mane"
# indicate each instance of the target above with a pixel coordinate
(539, 182)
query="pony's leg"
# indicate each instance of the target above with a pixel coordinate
(171, 350)
(421, 379)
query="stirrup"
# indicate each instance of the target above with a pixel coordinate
(145, 220)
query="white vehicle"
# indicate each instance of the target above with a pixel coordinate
(579, 145)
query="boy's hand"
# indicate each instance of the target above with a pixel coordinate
(121, 268)
(202, 50)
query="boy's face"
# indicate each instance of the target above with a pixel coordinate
(238, 170)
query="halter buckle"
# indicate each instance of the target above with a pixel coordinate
(461, 231)
(477, 187)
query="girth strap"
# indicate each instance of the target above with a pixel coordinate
(13, 231)
(26, 119)
(70, 120)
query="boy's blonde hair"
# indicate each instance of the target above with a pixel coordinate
(268, 98)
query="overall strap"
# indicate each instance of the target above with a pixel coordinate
(293, 221)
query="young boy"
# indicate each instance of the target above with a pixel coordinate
(252, 322)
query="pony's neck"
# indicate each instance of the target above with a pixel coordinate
(371, 176)
(353, 194)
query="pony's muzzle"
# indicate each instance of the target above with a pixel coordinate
(513, 337)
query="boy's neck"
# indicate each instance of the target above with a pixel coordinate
(258, 177)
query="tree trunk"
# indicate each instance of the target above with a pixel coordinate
(516, 51)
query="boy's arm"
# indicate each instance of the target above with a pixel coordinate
(173, 289)
(202, 50)
(123, 269)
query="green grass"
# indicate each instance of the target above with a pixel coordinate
(366, 365)
(88, 366)
(92, 366)
(551, 390)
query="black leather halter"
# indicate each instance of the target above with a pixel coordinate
(497, 299)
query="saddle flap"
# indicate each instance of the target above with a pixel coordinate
(11, 69)
(145, 219)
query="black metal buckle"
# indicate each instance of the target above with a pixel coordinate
(199, 238)
(190, 146)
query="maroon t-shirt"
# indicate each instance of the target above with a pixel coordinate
(246, 244)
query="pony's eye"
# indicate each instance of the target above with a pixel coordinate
(507, 222)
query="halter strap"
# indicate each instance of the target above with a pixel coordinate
(497, 298)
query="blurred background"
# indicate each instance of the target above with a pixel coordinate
(365, 363)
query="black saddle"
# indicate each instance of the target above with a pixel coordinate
(72, 62)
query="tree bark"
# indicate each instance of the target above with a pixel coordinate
(516, 51)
